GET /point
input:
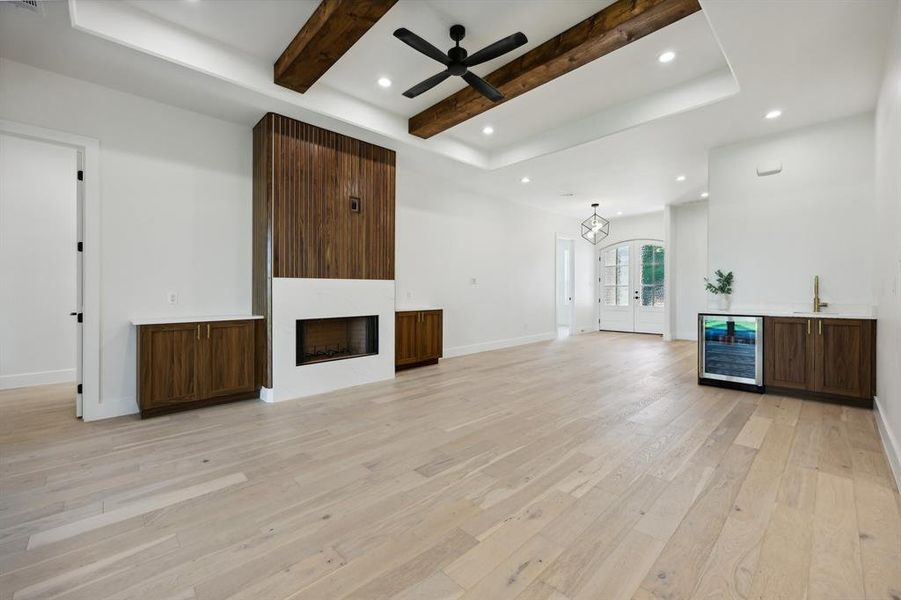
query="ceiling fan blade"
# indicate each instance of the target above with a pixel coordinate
(482, 86)
(419, 44)
(424, 86)
(511, 42)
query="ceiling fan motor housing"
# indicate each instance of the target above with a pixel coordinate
(457, 32)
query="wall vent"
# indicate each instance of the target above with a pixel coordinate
(32, 5)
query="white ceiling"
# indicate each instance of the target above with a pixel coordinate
(261, 28)
(783, 54)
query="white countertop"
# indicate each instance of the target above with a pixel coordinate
(413, 308)
(787, 313)
(195, 319)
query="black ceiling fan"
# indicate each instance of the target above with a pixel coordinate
(458, 61)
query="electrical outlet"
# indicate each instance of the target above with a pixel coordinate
(172, 297)
(473, 281)
(409, 295)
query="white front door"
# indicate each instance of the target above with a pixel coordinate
(630, 286)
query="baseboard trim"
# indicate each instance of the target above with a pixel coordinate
(8, 382)
(889, 443)
(498, 344)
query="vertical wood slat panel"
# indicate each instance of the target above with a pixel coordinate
(315, 234)
(262, 250)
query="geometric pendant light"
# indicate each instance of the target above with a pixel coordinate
(595, 228)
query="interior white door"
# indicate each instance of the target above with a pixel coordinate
(630, 286)
(565, 282)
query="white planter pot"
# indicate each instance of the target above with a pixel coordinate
(723, 301)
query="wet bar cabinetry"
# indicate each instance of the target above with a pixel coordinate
(820, 357)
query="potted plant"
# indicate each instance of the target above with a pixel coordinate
(722, 289)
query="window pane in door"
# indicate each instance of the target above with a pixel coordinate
(652, 272)
(622, 255)
(610, 275)
(622, 296)
(609, 295)
(658, 295)
(609, 258)
(622, 275)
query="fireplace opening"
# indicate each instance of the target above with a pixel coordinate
(321, 340)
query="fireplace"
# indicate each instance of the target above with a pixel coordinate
(322, 340)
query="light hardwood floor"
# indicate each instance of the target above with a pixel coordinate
(592, 467)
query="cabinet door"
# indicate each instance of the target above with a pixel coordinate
(228, 352)
(168, 361)
(406, 332)
(788, 352)
(843, 357)
(430, 335)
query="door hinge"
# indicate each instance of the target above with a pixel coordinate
(80, 175)
(80, 246)
(80, 317)
(79, 389)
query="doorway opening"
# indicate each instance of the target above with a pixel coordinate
(565, 286)
(41, 264)
(631, 291)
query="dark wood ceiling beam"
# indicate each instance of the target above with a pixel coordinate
(619, 24)
(331, 30)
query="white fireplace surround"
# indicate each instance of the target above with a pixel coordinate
(294, 299)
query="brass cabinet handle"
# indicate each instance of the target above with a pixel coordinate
(820, 322)
(198, 331)
(808, 326)
(207, 331)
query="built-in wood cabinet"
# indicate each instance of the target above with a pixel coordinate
(828, 358)
(788, 353)
(418, 337)
(187, 365)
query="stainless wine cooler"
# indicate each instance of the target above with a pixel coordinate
(730, 351)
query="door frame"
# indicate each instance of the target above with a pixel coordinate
(89, 190)
(572, 269)
(632, 274)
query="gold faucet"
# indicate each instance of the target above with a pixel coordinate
(817, 303)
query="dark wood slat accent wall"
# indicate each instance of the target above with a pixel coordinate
(262, 250)
(304, 179)
(315, 173)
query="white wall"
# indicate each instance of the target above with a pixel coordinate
(447, 236)
(37, 262)
(638, 227)
(175, 207)
(888, 252)
(814, 218)
(689, 252)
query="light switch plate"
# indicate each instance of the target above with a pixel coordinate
(172, 297)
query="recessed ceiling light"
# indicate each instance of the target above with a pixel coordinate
(665, 57)
(525, 179)
(384, 82)
(487, 129)
(680, 178)
(773, 114)
(566, 194)
(619, 212)
(704, 194)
